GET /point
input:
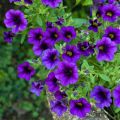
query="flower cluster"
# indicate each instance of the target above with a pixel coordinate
(64, 62)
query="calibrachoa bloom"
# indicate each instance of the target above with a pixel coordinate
(52, 3)
(35, 36)
(37, 87)
(52, 82)
(102, 96)
(15, 19)
(53, 35)
(50, 58)
(85, 48)
(94, 25)
(71, 53)
(116, 95)
(68, 33)
(58, 107)
(42, 46)
(67, 73)
(110, 12)
(25, 71)
(60, 95)
(28, 1)
(8, 36)
(113, 34)
(106, 49)
(80, 107)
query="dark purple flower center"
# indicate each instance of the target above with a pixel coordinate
(69, 53)
(109, 13)
(68, 72)
(102, 95)
(79, 105)
(103, 48)
(53, 57)
(39, 36)
(54, 35)
(112, 36)
(27, 69)
(83, 48)
(44, 46)
(68, 35)
(17, 20)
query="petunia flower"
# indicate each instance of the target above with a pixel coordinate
(113, 34)
(80, 107)
(35, 35)
(71, 53)
(8, 36)
(25, 71)
(67, 73)
(52, 82)
(102, 96)
(68, 33)
(37, 87)
(15, 19)
(50, 58)
(106, 49)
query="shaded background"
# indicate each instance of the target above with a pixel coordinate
(16, 102)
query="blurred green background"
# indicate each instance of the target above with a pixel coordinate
(16, 102)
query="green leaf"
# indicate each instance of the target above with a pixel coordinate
(78, 22)
(104, 77)
(77, 2)
(39, 20)
(117, 110)
(87, 2)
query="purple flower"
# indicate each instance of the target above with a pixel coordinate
(52, 3)
(14, 1)
(35, 36)
(50, 58)
(80, 107)
(60, 21)
(110, 12)
(60, 95)
(52, 82)
(113, 34)
(94, 25)
(37, 87)
(68, 33)
(42, 46)
(102, 96)
(15, 19)
(49, 25)
(106, 49)
(53, 35)
(58, 107)
(28, 1)
(116, 95)
(8, 36)
(71, 53)
(67, 73)
(25, 71)
(85, 48)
